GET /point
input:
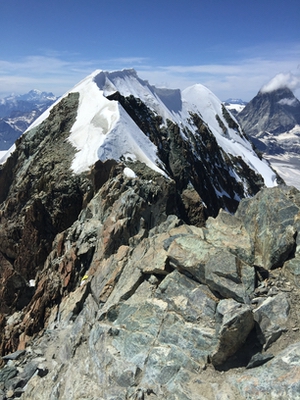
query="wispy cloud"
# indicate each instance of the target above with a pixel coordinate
(241, 77)
(282, 80)
(51, 73)
(54, 71)
(127, 60)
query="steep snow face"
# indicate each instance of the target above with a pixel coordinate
(103, 130)
(96, 116)
(199, 99)
(164, 102)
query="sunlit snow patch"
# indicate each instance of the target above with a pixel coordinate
(5, 154)
(129, 173)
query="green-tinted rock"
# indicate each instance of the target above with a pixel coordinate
(272, 316)
(227, 231)
(236, 322)
(269, 220)
(190, 254)
(221, 270)
(229, 276)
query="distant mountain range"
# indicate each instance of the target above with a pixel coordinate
(17, 112)
(271, 120)
(235, 106)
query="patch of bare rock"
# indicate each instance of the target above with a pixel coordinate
(132, 303)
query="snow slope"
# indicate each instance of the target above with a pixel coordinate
(103, 129)
(288, 167)
(235, 107)
(201, 100)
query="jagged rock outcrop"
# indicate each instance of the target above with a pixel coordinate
(41, 196)
(159, 316)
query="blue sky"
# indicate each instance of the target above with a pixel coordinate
(232, 47)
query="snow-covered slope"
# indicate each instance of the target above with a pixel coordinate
(235, 106)
(200, 99)
(103, 130)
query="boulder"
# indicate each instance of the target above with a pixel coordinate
(259, 359)
(189, 254)
(230, 277)
(235, 322)
(269, 220)
(271, 317)
(222, 271)
(228, 231)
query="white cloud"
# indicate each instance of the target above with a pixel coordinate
(281, 81)
(239, 79)
(242, 77)
(47, 73)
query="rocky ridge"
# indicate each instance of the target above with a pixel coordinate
(122, 282)
(182, 311)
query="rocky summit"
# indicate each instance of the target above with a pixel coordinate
(272, 120)
(161, 272)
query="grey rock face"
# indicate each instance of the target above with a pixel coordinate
(235, 323)
(164, 315)
(272, 242)
(229, 276)
(279, 378)
(271, 316)
(268, 115)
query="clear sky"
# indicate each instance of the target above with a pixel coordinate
(232, 47)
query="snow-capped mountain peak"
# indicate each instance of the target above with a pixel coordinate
(103, 130)
(37, 95)
(187, 136)
(235, 106)
(33, 96)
